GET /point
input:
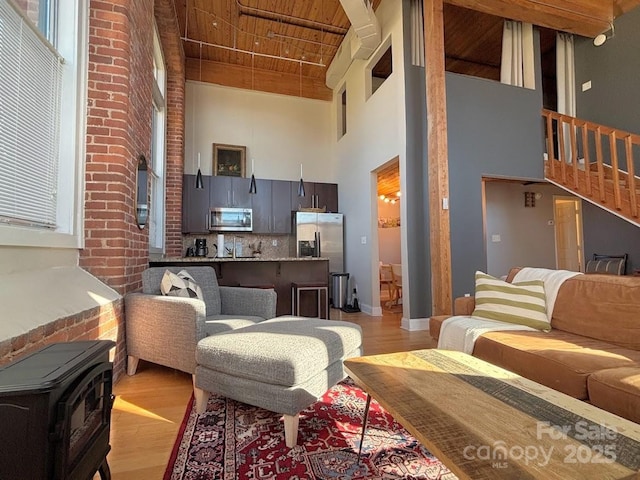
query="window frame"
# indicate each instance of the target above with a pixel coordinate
(71, 42)
(158, 149)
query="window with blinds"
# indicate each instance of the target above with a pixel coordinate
(30, 92)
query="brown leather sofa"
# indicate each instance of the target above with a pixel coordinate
(592, 351)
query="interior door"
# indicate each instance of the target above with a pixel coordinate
(568, 231)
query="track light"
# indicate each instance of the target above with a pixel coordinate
(603, 37)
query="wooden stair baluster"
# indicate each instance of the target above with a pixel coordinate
(561, 150)
(599, 164)
(550, 156)
(631, 179)
(587, 161)
(614, 170)
(574, 152)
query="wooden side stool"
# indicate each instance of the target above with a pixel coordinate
(319, 287)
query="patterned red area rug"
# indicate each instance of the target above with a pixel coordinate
(234, 441)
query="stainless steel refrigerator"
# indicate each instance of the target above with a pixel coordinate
(320, 235)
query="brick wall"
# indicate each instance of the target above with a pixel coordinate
(97, 323)
(118, 130)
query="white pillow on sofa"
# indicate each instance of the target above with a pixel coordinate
(180, 284)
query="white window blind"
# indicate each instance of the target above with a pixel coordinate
(30, 90)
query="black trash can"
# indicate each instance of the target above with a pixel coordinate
(339, 289)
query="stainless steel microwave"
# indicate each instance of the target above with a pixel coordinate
(227, 219)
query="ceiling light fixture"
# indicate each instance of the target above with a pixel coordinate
(199, 182)
(301, 192)
(252, 187)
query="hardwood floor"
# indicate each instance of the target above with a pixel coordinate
(150, 406)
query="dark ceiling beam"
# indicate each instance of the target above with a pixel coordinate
(588, 19)
(288, 20)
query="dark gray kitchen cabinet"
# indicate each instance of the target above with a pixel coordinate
(317, 195)
(326, 195)
(272, 207)
(230, 192)
(281, 206)
(195, 205)
(261, 206)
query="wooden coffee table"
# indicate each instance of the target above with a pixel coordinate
(484, 422)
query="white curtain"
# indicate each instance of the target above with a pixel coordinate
(517, 66)
(417, 33)
(566, 74)
(566, 78)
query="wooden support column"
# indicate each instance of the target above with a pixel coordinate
(438, 162)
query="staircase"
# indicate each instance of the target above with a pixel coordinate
(593, 162)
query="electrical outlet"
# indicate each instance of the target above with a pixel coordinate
(274, 242)
(495, 238)
(363, 240)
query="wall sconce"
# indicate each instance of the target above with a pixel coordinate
(142, 192)
(529, 199)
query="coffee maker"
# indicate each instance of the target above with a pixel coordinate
(201, 249)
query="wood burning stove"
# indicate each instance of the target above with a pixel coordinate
(55, 411)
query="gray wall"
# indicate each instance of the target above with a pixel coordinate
(605, 233)
(614, 72)
(494, 130)
(614, 100)
(417, 229)
(525, 236)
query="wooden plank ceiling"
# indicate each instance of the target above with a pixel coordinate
(285, 46)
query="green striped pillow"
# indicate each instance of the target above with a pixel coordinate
(523, 303)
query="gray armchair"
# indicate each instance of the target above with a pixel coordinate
(165, 330)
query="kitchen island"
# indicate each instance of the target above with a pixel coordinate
(261, 272)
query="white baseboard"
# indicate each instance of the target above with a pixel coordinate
(369, 310)
(413, 324)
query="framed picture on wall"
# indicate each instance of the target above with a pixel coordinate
(229, 160)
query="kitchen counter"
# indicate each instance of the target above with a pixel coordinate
(277, 273)
(172, 260)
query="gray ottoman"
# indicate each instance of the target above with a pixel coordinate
(282, 365)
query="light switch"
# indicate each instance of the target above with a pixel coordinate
(495, 238)
(363, 240)
(586, 86)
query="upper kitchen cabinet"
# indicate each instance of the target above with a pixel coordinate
(272, 207)
(261, 206)
(230, 192)
(195, 205)
(317, 195)
(326, 195)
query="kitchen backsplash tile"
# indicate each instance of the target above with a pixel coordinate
(248, 244)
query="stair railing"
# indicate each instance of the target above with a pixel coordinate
(609, 180)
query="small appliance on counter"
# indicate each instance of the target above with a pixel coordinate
(201, 249)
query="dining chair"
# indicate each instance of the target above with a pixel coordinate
(396, 279)
(386, 279)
